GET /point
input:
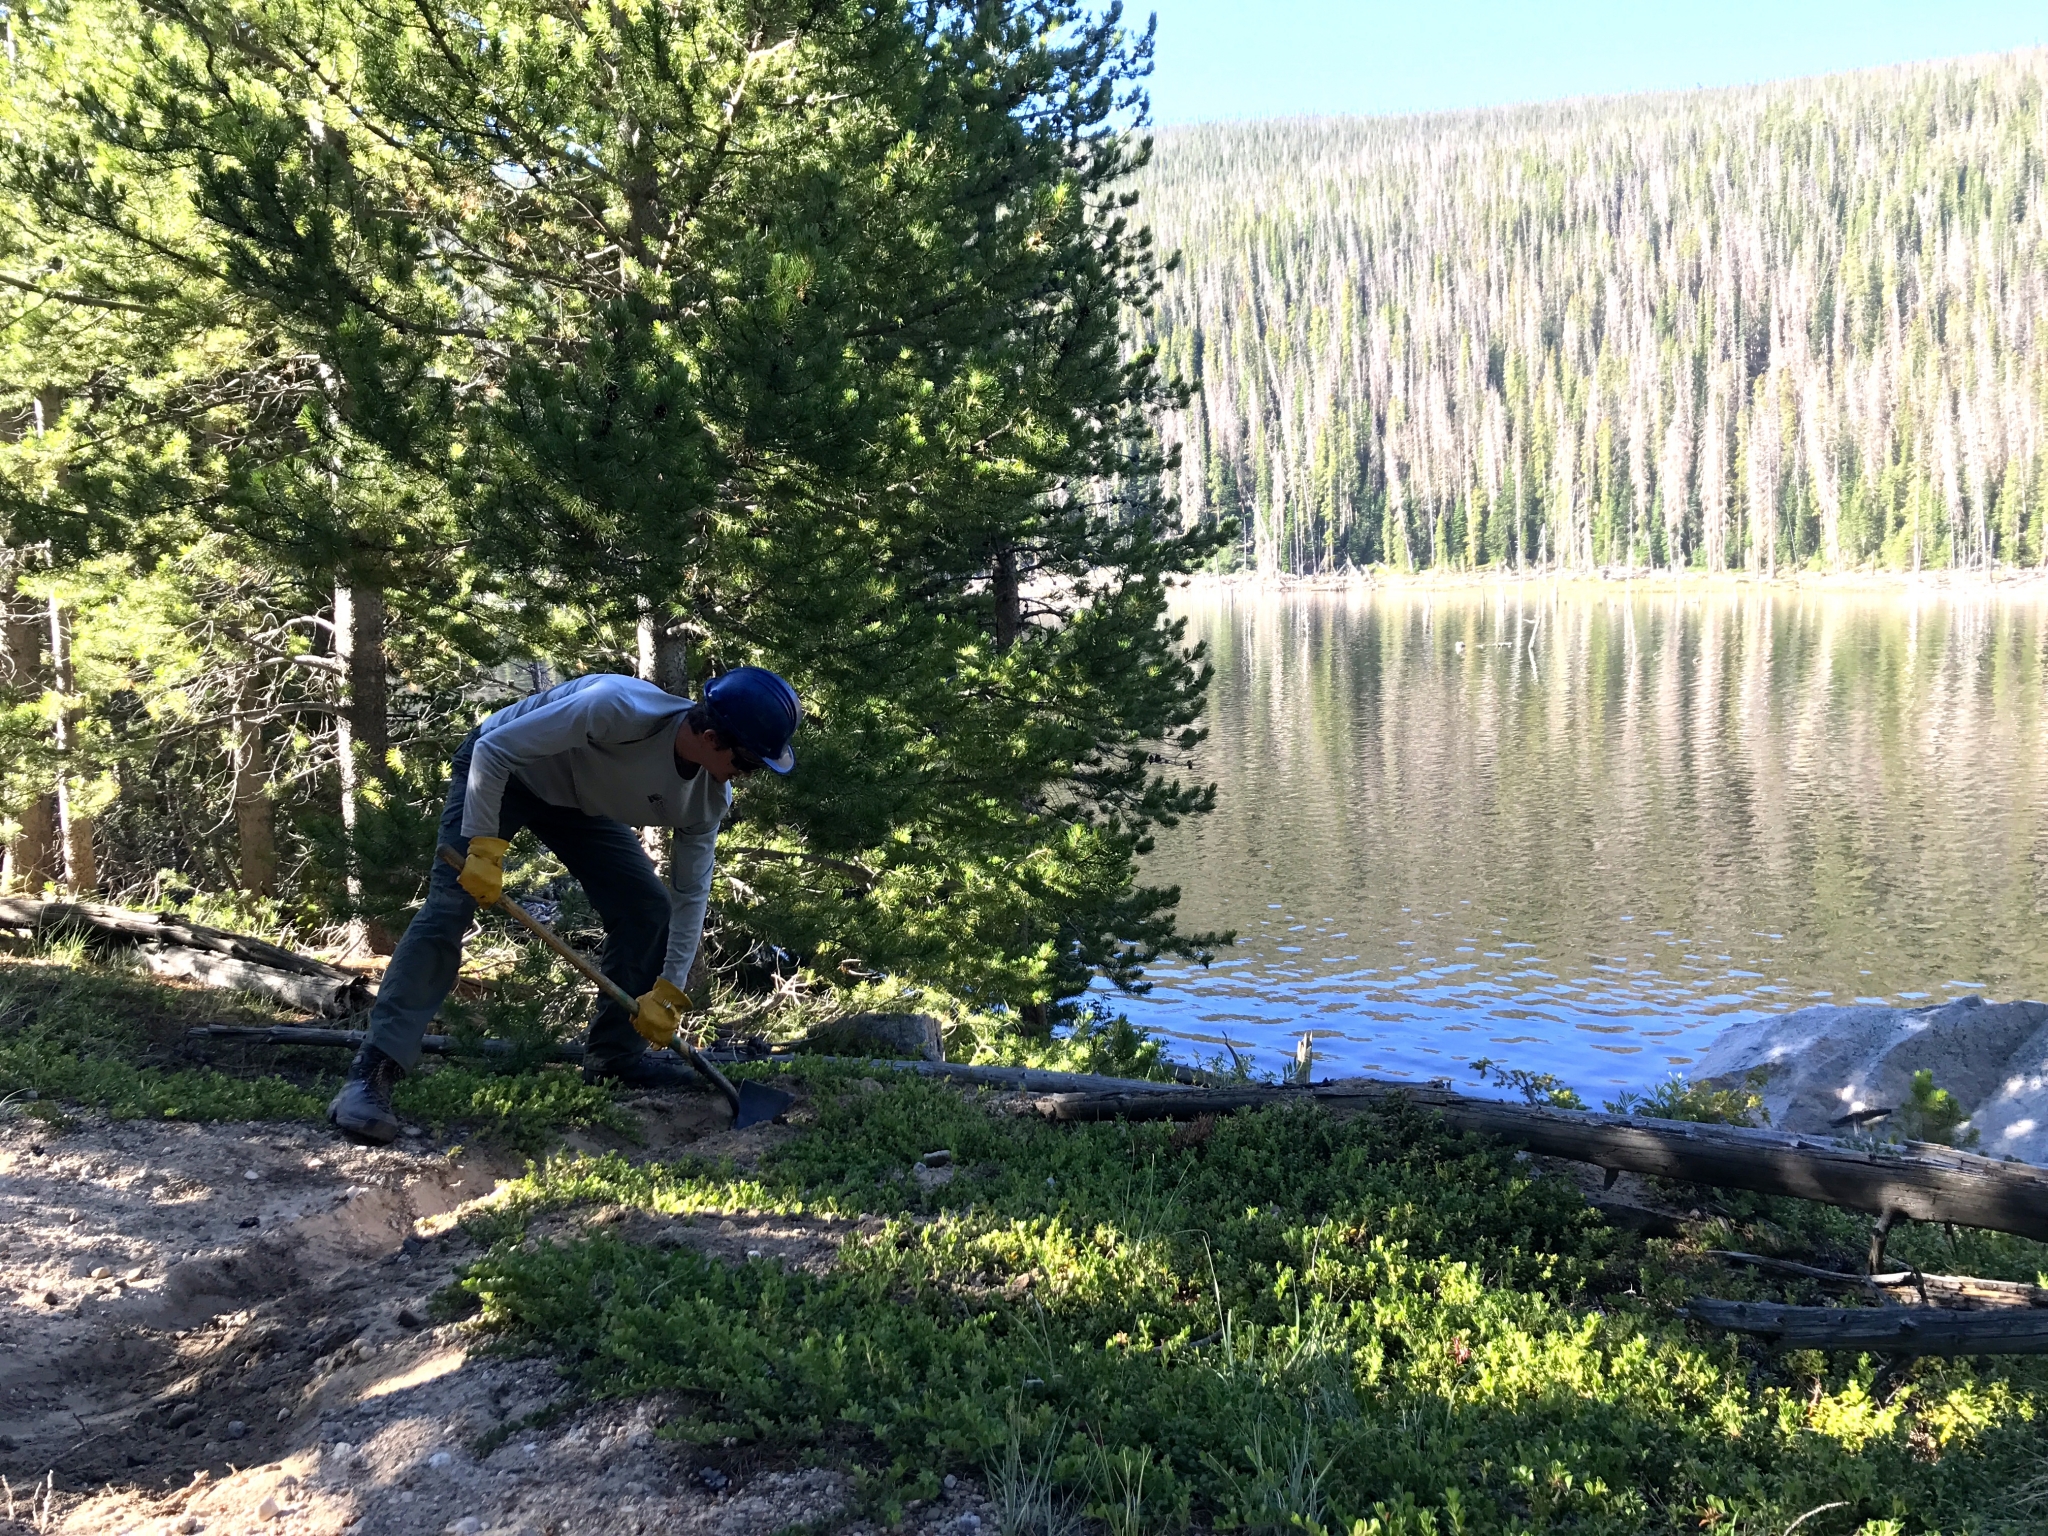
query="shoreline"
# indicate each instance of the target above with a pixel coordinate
(2000, 582)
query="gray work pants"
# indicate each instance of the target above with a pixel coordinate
(603, 855)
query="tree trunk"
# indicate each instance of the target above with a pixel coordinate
(363, 734)
(1009, 607)
(1009, 623)
(74, 822)
(255, 822)
(31, 860)
(664, 661)
(664, 650)
(359, 641)
(1714, 477)
(1821, 425)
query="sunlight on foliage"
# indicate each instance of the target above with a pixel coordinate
(1677, 1099)
(1293, 1324)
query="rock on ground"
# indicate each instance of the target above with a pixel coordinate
(1828, 1067)
(892, 1036)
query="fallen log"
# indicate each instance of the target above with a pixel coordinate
(1963, 1292)
(1920, 1181)
(329, 996)
(1018, 1079)
(433, 1045)
(45, 918)
(351, 1039)
(1886, 1330)
(214, 957)
(1025, 1079)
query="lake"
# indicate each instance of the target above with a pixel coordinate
(1581, 829)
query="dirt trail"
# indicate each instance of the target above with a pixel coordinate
(197, 1319)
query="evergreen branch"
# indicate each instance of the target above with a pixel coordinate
(85, 299)
(866, 877)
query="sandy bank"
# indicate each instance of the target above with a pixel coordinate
(231, 1328)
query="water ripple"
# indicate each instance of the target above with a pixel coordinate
(1690, 809)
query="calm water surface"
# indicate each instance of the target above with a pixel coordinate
(1582, 832)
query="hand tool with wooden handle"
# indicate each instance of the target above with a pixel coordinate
(752, 1103)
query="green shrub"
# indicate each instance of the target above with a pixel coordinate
(523, 1109)
(1932, 1114)
(1677, 1099)
(80, 1031)
(1534, 1087)
(85, 1032)
(128, 1092)
(1282, 1322)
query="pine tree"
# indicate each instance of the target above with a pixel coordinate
(158, 411)
(802, 324)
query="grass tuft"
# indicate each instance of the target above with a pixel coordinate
(1025, 1487)
(1677, 1099)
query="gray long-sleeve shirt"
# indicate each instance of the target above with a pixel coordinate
(605, 745)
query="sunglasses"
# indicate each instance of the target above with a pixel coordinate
(745, 763)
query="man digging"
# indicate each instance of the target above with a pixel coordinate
(581, 764)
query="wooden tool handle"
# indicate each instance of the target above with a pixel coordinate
(546, 935)
(604, 983)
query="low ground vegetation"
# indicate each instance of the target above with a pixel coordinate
(1677, 1099)
(101, 1037)
(1280, 1321)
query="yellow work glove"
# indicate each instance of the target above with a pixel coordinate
(661, 1012)
(483, 872)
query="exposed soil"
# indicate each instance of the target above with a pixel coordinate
(197, 1319)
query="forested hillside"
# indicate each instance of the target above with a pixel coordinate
(1795, 325)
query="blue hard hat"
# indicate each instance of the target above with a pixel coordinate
(756, 711)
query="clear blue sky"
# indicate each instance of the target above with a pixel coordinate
(1273, 58)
